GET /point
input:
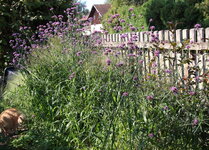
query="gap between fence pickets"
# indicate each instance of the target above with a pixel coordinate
(198, 38)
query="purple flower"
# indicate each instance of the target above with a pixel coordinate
(141, 61)
(131, 55)
(188, 46)
(151, 135)
(165, 108)
(156, 53)
(125, 94)
(197, 26)
(135, 78)
(78, 53)
(142, 27)
(51, 9)
(152, 28)
(108, 61)
(150, 20)
(195, 122)
(132, 28)
(174, 89)
(72, 76)
(168, 71)
(149, 97)
(120, 64)
(122, 20)
(131, 9)
(192, 93)
(123, 35)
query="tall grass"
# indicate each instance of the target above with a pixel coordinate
(78, 96)
(75, 99)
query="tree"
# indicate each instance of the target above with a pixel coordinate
(16, 13)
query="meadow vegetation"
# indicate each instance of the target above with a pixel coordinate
(76, 95)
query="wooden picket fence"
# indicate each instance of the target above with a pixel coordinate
(185, 52)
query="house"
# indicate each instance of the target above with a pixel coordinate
(96, 14)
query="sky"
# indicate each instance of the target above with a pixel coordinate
(89, 3)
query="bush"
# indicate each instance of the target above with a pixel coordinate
(24, 13)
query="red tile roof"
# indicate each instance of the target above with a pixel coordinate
(102, 8)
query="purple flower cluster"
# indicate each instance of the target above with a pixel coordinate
(174, 89)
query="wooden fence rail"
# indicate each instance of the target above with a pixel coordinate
(190, 61)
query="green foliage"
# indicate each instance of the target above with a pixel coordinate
(134, 18)
(183, 13)
(77, 101)
(18, 13)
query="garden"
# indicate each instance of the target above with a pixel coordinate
(77, 94)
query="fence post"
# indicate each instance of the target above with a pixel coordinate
(161, 35)
(185, 34)
(179, 35)
(193, 35)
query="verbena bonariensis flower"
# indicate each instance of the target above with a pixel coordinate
(150, 97)
(197, 26)
(165, 108)
(125, 94)
(120, 64)
(152, 27)
(133, 28)
(123, 35)
(168, 71)
(131, 9)
(122, 20)
(195, 122)
(78, 53)
(192, 93)
(108, 61)
(72, 76)
(174, 89)
(156, 53)
(151, 135)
